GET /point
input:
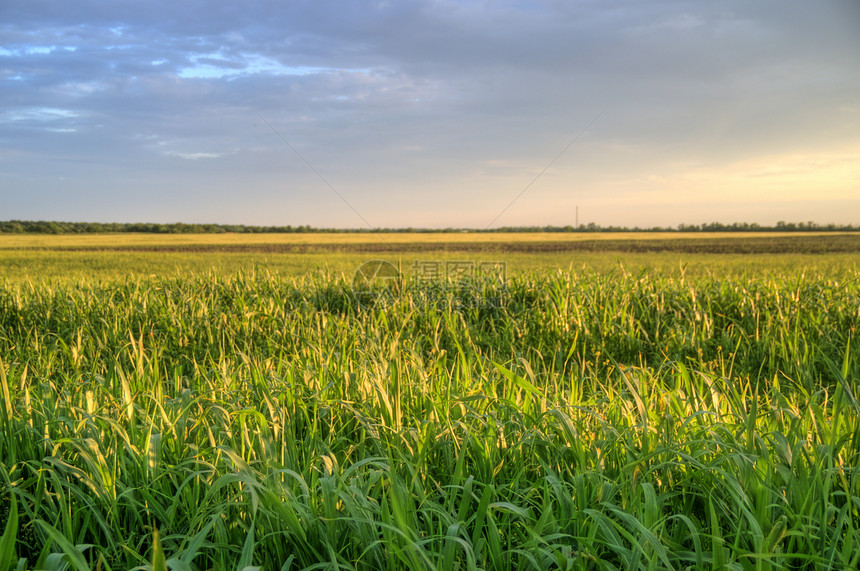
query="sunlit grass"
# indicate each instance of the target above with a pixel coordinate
(65, 241)
(72, 267)
(562, 420)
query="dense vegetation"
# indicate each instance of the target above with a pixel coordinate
(51, 227)
(566, 421)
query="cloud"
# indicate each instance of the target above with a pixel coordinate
(194, 156)
(384, 96)
(37, 114)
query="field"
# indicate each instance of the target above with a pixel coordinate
(609, 402)
(100, 257)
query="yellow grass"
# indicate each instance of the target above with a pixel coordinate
(40, 241)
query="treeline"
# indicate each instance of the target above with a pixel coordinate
(781, 226)
(47, 227)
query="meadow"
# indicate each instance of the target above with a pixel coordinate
(192, 406)
(72, 258)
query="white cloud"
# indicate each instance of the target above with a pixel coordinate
(193, 156)
(27, 50)
(39, 114)
(218, 66)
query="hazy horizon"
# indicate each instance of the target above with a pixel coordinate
(431, 113)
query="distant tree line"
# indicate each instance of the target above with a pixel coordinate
(47, 227)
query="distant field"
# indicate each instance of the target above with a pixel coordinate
(108, 257)
(468, 241)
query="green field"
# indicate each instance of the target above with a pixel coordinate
(107, 257)
(216, 402)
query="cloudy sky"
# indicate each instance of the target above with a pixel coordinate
(430, 113)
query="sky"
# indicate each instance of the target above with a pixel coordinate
(430, 113)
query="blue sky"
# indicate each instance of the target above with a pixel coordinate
(430, 113)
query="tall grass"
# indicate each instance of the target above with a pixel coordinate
(566, 421)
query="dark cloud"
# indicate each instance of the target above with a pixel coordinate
(386, 96)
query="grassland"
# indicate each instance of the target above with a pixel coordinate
(599, 409)
(101, 257)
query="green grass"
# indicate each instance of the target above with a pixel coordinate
(107, 257)
(69, 268)
(625, 419)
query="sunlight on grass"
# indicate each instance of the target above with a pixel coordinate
(561, 419)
